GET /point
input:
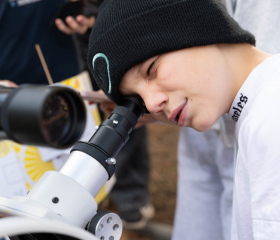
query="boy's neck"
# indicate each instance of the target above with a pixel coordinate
(242, 59)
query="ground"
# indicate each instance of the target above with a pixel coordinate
(163, 152)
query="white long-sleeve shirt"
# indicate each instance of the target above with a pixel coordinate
(256, 108)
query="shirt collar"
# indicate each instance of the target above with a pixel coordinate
(252, 84)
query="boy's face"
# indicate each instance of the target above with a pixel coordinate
(188, 87)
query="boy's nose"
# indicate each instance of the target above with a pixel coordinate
(155, 102)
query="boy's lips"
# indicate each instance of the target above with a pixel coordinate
(179, 114)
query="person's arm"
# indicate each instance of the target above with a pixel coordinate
(7, 83)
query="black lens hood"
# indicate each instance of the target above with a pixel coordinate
(22, 115)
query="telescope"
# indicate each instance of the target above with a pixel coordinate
(61, 204)
(50, 116)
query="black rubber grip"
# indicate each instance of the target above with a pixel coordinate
(127, 114)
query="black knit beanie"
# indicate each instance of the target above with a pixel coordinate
(128, 32)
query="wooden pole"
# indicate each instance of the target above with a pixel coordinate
(44, 64)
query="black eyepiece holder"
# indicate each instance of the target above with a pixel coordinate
(113, 133)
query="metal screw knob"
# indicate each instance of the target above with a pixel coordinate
(111, 161)
(115, 122)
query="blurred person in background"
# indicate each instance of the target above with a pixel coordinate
(26, 23)
(205, 183)
(262, 18)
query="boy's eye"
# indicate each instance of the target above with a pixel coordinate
(150, 67)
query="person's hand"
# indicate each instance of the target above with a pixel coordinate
(146, 119)
(107, 108)
(79, 25)
(7, 83)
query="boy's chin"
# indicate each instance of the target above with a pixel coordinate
(198, 125)
(202, 129)
(203, 126)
